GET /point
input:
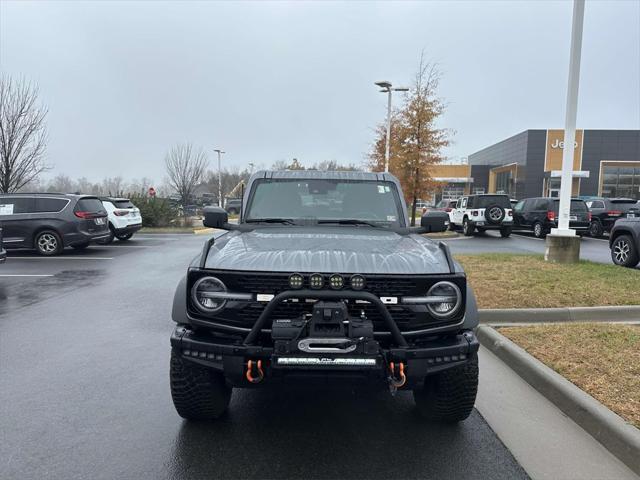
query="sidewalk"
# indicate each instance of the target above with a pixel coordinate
(547, 443)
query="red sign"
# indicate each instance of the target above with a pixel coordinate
(152, 192)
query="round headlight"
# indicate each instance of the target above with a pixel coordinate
(296, 280)
(446, 299)
(204, 293)
(316, 281)
(357, 282)
(336, 281)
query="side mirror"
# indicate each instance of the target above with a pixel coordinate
(215, 217)
(434, 221)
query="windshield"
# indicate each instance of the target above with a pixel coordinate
(325, 201)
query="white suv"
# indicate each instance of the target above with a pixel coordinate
(124, 218)
(482, 212)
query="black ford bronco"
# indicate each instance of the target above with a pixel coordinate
(323, 282)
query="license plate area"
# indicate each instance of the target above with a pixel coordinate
(99, 221)
(573, 218)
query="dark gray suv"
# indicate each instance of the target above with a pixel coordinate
(324, 283)
(48, 222)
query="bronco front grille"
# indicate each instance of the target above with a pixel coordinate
(275, 283)
(408, 317)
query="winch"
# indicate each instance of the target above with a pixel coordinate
(328, 329)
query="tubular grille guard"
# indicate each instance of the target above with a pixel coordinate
(326, 295)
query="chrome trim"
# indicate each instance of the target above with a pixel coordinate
(427, 300)
(306, 345)
(228, 295)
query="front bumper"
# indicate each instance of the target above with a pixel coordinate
(231, 359)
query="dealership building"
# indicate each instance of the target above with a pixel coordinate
(606, 163)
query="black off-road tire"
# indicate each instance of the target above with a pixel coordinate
(467, 228)
(197, 392)
(123, 237)
(505, 232)
(624, 252)
(449, 396)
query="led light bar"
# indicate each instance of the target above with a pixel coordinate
(326, 361)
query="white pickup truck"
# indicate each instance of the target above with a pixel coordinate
(482, 212)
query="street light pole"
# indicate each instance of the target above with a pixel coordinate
(566, 182)
(219, 152)
(563, 245)
(386, 87)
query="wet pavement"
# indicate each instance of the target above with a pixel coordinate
(592, 249)
(84, 356)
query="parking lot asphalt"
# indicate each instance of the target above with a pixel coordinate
(592, 249)
(85, 356)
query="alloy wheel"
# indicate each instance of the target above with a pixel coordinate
(47, 243)
(537, 230)
(621, 251)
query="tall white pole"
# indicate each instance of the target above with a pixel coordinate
(566, 183)
(387, 143)
(219, 179)
(219, 152)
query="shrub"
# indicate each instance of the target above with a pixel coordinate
(156, 212)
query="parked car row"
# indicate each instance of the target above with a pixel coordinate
(49, 222)
(595, 216)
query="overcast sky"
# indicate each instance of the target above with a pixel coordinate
(123, 81)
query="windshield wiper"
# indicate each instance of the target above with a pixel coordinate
(284, 221)
(351, 221)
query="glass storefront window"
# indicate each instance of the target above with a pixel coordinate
(621, 182)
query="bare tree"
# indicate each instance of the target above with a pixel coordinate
(23, 136)
(185, 169)
(113, 186)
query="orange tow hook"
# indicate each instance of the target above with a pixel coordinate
(249, 374)
(401, 379)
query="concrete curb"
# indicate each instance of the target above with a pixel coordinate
(552, 315)
(616, 435)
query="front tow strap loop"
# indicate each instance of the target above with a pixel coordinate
(258, 367)
(397, 379)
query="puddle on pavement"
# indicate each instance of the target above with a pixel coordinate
(17, 295)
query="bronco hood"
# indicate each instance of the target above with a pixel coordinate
(326, 250)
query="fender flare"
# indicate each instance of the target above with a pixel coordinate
(179, 309)
(471, 317)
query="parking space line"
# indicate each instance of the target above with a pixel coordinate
(120, 246)
(24, 275)
(59, 258)
(524, 236)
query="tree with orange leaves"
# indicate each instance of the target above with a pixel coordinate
(416, 142)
